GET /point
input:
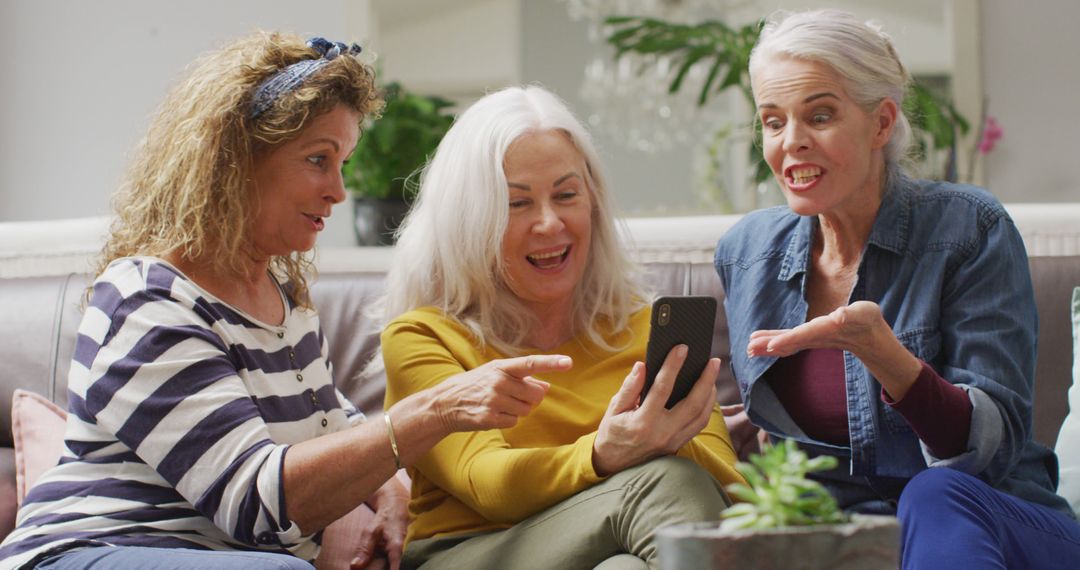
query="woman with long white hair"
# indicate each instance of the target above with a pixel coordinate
(511, 250)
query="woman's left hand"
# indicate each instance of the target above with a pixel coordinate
(858, 328)
(631, 433)
(385, 535)
(854, 328)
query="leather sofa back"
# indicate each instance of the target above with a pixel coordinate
(343, 298)
(38, 320)
(39, 317)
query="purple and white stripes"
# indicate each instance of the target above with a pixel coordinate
(181, 409)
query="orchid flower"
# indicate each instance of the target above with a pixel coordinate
(992, 132)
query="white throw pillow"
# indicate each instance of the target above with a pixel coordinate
(1068, 441)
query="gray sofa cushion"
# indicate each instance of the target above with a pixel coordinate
(1054, 279)
(39, 317)
(38, 320)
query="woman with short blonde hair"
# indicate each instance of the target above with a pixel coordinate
(887, 321)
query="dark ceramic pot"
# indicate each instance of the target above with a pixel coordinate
(375, 220)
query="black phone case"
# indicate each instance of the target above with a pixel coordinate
(690, 321)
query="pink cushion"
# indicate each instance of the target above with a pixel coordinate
(37, 426)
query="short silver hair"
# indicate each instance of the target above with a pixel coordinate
(858, 51)
(449, 248)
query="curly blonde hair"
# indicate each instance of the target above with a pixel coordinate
(187, 190)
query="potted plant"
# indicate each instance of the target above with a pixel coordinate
(726, 51)
(785, 521)
(379, 174)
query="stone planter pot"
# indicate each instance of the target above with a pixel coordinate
(374, 219)
(867, 542)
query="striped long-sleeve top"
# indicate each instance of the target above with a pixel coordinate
(181, 409)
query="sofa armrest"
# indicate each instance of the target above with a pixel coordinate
(8, 501)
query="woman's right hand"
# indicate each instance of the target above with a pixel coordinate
(496, 394)
(631, 434)
(746, 437)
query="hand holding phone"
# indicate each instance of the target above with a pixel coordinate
(680, 320)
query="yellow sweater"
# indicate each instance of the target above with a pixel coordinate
(480, 481)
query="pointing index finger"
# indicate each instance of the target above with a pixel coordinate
(522, 366)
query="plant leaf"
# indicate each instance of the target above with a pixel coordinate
(937, 123)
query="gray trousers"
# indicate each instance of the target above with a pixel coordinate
(610, 524)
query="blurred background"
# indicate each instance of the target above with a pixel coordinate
(79, 80)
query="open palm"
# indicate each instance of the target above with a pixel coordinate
(850, 328)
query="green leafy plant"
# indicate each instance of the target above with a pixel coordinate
(727, 50)
(396, 145)
(779, 494)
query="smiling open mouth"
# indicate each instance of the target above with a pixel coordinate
(550, 259)
(804, 174)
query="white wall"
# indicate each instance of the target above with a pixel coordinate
(556, 50)
(1027, 71)
(82, 78)
(1032, 86)
(667, 181)
(455, 49)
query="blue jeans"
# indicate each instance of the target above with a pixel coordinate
(124, 557)
(950, 519)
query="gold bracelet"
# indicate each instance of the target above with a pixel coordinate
(393, 440)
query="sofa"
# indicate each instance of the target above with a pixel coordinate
(45, 266)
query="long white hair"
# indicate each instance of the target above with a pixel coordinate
(858, 51)
(449, 246)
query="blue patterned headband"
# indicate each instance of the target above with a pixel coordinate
(294, 75)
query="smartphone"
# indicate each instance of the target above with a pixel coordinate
(680, 320)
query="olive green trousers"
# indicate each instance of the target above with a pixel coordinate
(609, 525)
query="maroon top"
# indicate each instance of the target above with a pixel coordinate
(938, 412)
(811, 386)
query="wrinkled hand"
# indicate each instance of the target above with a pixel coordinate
(381, 542)
(854, 328)
(496, 394)
(746, 437)
(858, 328)
(630, 434)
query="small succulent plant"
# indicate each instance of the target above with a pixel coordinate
(779, 494)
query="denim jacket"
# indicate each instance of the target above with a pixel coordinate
(948, 269)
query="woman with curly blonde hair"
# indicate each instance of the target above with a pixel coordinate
(204, 429)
